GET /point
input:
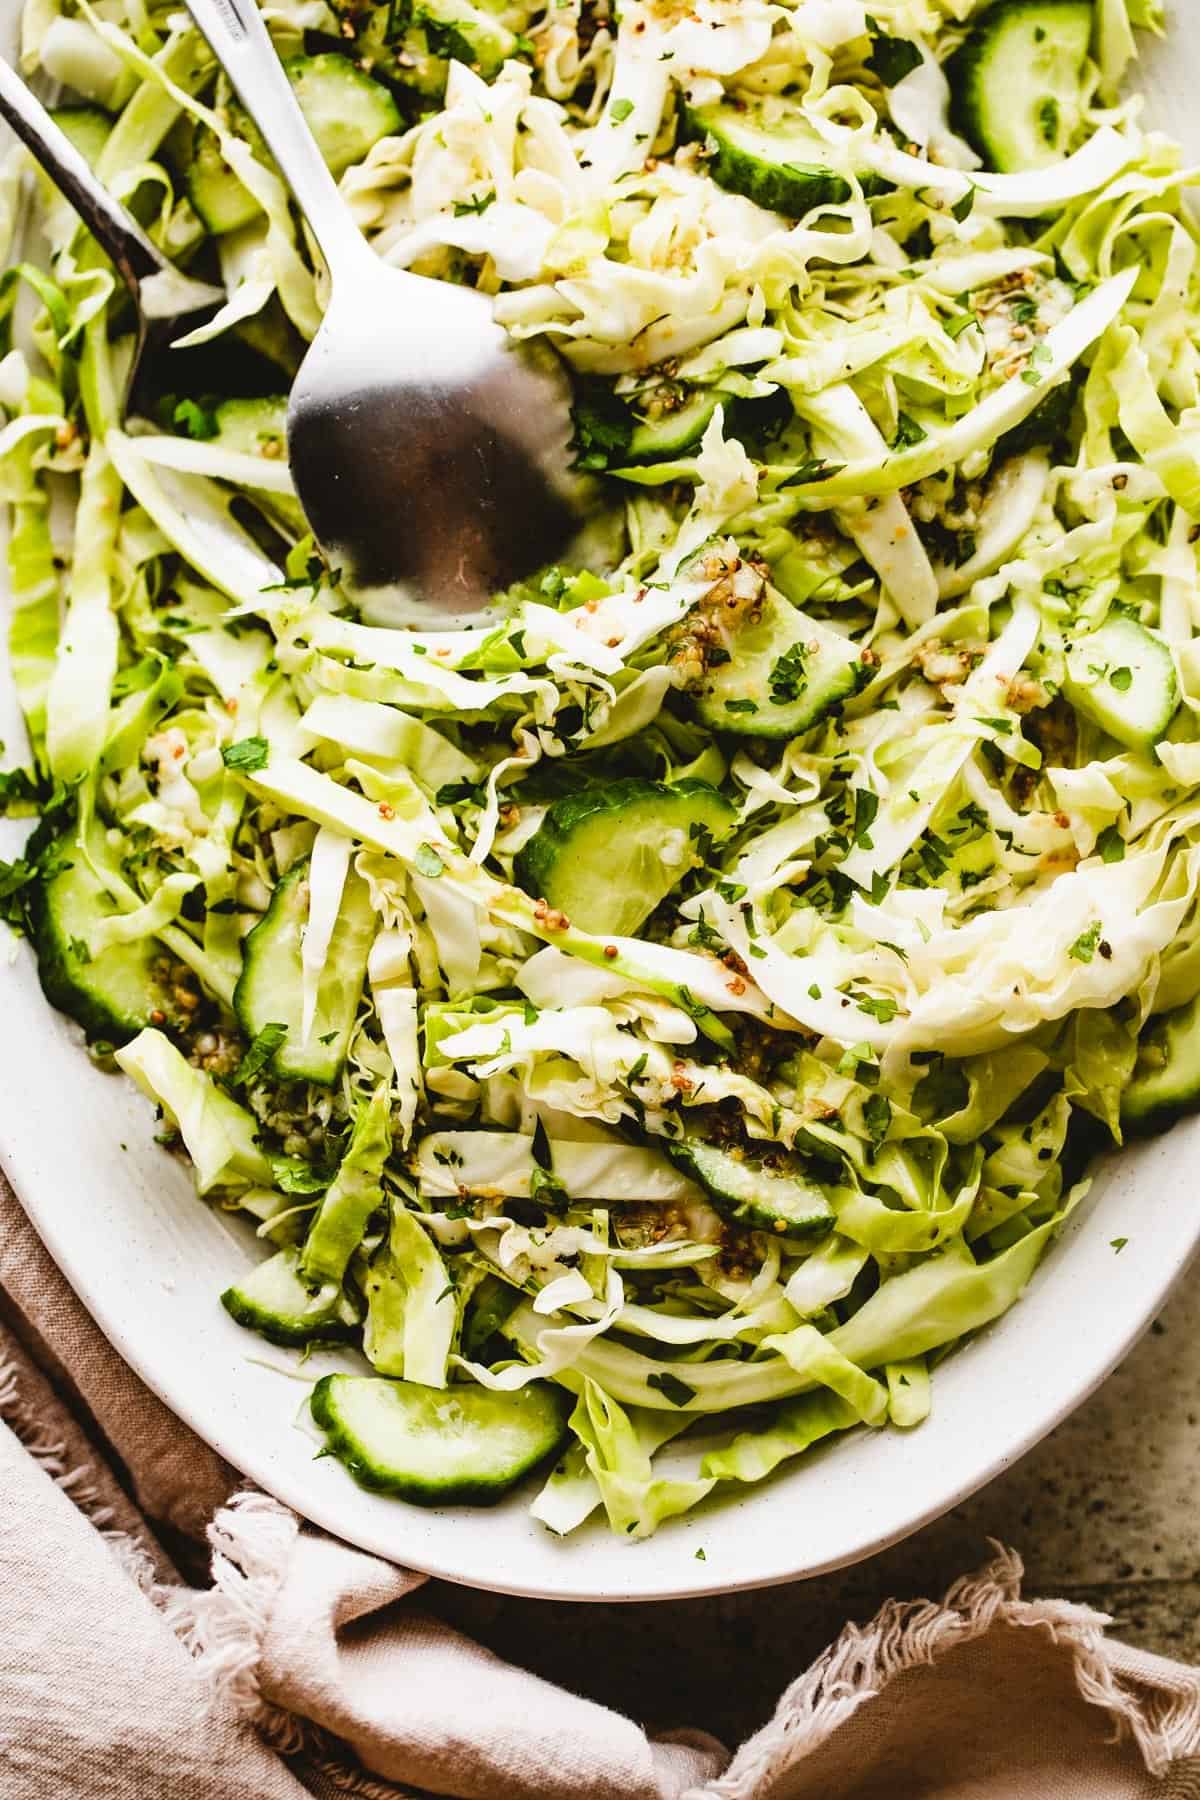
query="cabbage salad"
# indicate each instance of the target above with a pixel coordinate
(684, 1005)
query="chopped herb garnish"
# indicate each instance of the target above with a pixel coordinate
(1084, 947)
(1111, 844)
(788, 678)
(676, 1391)
(246, 755)
(198, 420)
(877, 1117)
(866, 806)
(880, 1006)
(892, 58)
(478, 203)
(817, 469)
(259, 1053)
(908, 432)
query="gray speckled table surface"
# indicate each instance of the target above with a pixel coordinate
(1103, 1511)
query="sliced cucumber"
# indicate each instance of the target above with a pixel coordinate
(785, 672)
(254, 427)
(455, 29)
(1123, 678)
(217, 196)
(462, 1445)
(749, 1191)
(346, 111)
(1017, 84)
(402, 57)
(607, 856)
(1166, 1076)
(778, 162)
(671, 433)
(276, 1302)
(259, 428)
(269, 988)
(112, 995)
(86, 126)
(417, 57)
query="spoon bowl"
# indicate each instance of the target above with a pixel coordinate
(430, 453)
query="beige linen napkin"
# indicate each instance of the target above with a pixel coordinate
(309, 1666)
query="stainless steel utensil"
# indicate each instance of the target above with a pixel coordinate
(429, 455)
(168, 304)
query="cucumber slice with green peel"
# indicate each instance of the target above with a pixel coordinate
(218, 198)
(455, 1446)
(459, 31)
(417, 57)
(1018, 83)
(259, 428)
(254, 427)
(606, 856)
(785, 672)
(1166, 1076)
(346, 112)
(403, 58)
(112, 995)
(778, 162)
(269, 989)
(671, 433)
(86, 126)
(749, 1191)
(276, 1302)
(1123, 678)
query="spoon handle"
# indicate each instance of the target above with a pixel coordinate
(242, 45)
(130, 250)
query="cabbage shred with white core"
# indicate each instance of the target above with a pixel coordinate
(953, 416)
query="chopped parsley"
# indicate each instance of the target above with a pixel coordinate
(247, 755)
(676, 1391)
(258, 1054)
(1084, 947)
(788, 677)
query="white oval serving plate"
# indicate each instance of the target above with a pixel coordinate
(148, 1260)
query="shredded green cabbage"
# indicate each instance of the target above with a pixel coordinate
(943, 429)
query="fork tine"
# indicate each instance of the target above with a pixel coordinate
(167, 301)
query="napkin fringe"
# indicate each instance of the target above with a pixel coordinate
(224, 1626)
(904, 1635)
(50, 1454)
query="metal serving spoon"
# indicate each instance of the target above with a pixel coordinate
(167, 303)
(429, 455)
